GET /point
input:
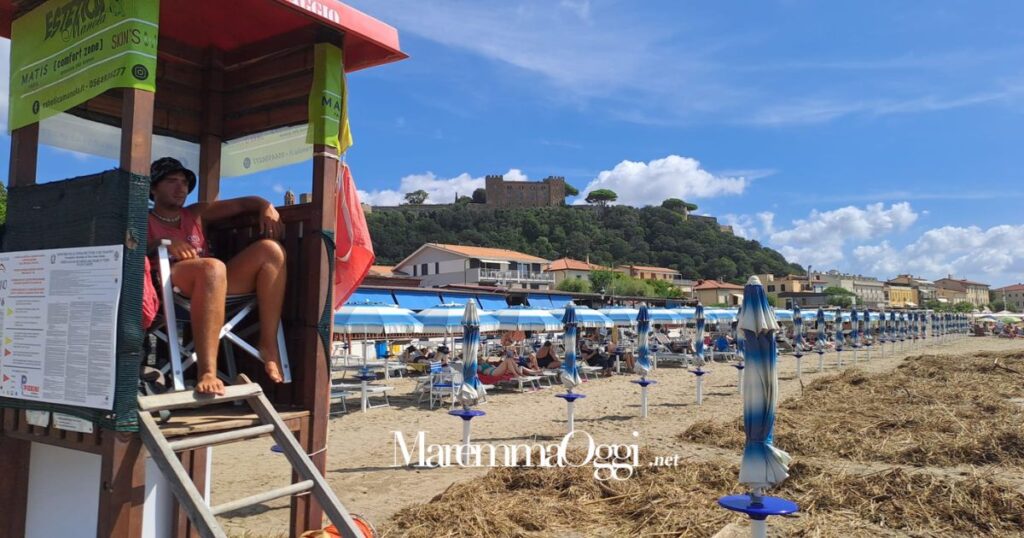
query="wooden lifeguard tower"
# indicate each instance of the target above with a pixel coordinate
(223, 70)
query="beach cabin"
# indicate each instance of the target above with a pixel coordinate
(229, 83)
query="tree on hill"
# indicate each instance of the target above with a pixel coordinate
(3, 204)
(416, 197)
(679, 206)
(463, 200)
(571, 191)
(600, 280)
(840, 297)
(602, 197)
(480, 196)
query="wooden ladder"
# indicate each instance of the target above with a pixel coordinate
(203, 516)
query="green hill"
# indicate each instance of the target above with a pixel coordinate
(609, 236)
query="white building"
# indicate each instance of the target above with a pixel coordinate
(438, 264)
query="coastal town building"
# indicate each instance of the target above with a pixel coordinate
(646, 272)
(785, 283)
(568, 268)
(1012, 296)
(803, 299)
(975, 293)
(924, 288)
(870, 291)
(900, 296)
(713, 292)
(437, 264)
(502, 194)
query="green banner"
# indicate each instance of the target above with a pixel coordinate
(65, 52)
(328, 100)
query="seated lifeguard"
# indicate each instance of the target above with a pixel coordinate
(207, 281)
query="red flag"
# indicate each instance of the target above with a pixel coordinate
(355, 249)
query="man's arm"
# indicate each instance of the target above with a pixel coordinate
(269, 220)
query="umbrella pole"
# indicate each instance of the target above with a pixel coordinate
(798, 369)
(821, 361)
(700, 389)
(571, 413)
(643, 401)
(739, 376)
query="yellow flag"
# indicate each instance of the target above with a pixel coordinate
(328, 100)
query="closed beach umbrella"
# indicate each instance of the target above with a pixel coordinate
(520, 318)
(570, 371)
(798, 337)
(587, 318)
(838, 325)
(854, 341)
(698, 345)
(643, 332)
(867, 332)
(892, 329)
(819, 323)
(621, 316)
(470, 390)
(763, 465)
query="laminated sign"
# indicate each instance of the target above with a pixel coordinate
(65, 52)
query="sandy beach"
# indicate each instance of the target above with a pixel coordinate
(361, 463)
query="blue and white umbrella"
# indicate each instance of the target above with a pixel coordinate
(854, 340)
(375, 318)
(449, 318)
(798, 337)
(867, 332)
(784, 315)
(763, 464)
(470, 390)
(620, 315)
(698, 344)
(664, 316)
(892, 330)
(570, 373)
(643, 336)
(520, 318)
(586, 317)
(838, 326)
(688, 313)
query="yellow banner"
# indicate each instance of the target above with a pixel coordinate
(328, 100)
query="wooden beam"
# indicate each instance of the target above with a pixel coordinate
(212, 137)
(24, 153)
(122, 486)
(195, 463)
(14, 464)
(136, 130)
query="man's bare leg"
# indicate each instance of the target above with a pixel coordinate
(260, 267)
(204, 282)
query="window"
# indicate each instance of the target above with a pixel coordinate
(782, 287)
(423, 269)
(414, 271)
(771, 288)
(437, 268)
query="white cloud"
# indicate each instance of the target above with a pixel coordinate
(639, 183)
(439, 190)
(756, 227)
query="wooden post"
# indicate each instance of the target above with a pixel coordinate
(24, 153)
(315, 380)
(137, 130)
(14, 461)
(122, 486)
(213, 127)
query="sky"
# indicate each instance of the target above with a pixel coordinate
(872, 137)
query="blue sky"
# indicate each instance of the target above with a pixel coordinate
(876, 137)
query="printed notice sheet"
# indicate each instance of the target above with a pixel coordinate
(58, 324)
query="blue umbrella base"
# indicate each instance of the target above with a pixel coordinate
(466, 414)
(571, 396)
(768, 506)
(644, 382)
(699, 373)
(366, 377)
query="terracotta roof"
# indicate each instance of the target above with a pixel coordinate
(487, 253)
(382, 270)
(569, 264)
(650, 268)
(716, 285)
(945, 282)
(1011, 287)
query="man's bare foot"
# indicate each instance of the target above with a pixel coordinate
(272, 364)
(210, 384)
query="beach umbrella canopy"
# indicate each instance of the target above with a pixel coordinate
(763, 465)
(699, 338)
(470, 390)
(838, 325)
(798, 330)
(449, 318)
(784, 315)
(520, 318)
(621, 316)
(643, 331)
(375, 318)
(570, 373)
(688, 313)
(820, 325)
(720, 316)
(892, 326)
(586, 317)
(664, 316)
(853, 328)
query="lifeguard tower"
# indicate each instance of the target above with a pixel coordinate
(201, 74)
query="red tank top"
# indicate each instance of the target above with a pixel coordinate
(187, 230)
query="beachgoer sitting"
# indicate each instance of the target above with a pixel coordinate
(547, 358)
(207, 281)
(594, 357)
(507, 367)
(630, 360)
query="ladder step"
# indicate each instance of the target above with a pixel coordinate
(221, 437)
(294, 489)
(188, 398)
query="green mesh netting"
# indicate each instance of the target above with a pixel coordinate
(327, 317)
(103, 209)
